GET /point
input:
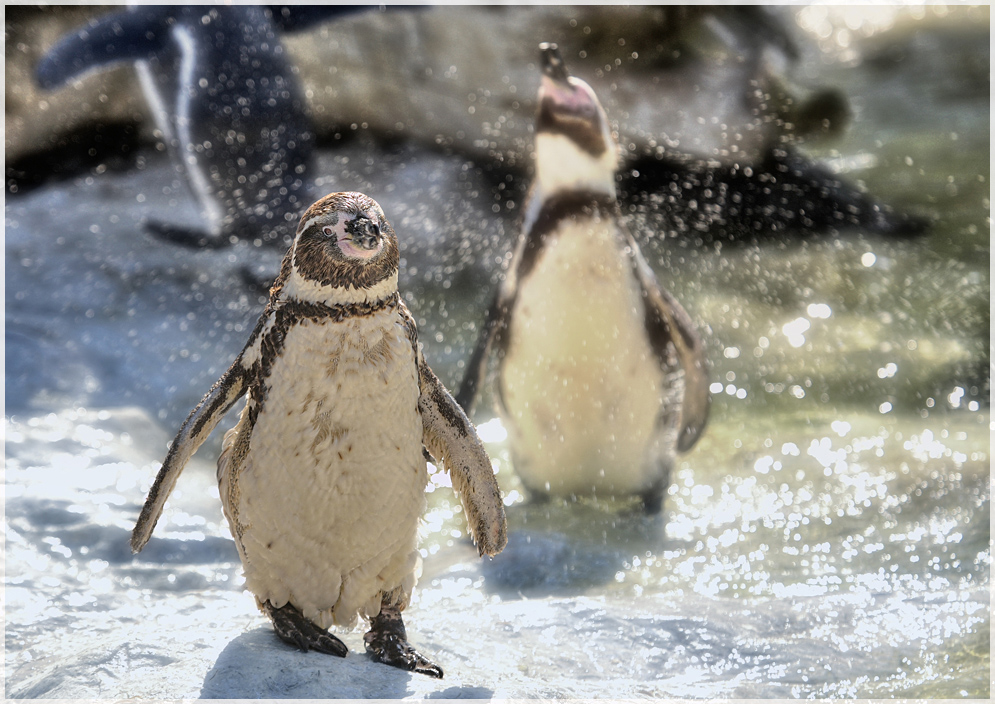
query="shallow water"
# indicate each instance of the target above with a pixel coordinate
(828, 537)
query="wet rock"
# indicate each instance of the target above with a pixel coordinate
(719, 79)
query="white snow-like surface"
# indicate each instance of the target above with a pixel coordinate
(857, 567)
(85, 619)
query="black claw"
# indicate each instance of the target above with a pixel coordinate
(386, 642)
(391, 650)
(292, 628)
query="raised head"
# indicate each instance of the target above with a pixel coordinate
(345, 251)
(575, 147)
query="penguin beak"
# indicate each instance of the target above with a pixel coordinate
(362, 239)
(363, 233)
(559, 95)
(552, 63)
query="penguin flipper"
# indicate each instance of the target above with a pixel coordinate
(450, 437)
(667, 321)
(120, 36)
(195, 429)
(466, 397)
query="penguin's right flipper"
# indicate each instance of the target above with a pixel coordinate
(195, 429)
(667, 321)
(135, 34)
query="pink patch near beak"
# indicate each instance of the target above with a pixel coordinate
(356, 252)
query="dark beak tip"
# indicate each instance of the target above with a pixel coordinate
(552, 61)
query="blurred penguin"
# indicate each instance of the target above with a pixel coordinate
(602, 377)
(227, 103)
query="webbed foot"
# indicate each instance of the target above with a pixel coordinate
(291, 627)
(387, 642)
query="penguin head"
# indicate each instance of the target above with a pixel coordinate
(345, 248)
(574, 143)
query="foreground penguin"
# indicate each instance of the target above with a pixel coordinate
(227, 102)
(322, 480)
(602, 376)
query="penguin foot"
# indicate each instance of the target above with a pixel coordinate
(292, 628)
(387, 642)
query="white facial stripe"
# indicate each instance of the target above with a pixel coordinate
(310, 221)
(314, 292)
(344, 239)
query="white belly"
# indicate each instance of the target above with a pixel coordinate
(330, 495)
(581, 386)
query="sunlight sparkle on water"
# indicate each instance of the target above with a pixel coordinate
(841, 427)
(795, 330)
(819, 310)
(887, 371)
(955, 397)
(492, 431)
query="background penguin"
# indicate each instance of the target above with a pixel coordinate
(602, 376)
(322, 479)
(227, 103)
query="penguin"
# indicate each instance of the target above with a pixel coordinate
(227, 102)
(602, 376)
(322, 479)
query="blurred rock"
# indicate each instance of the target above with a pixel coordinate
(104, 112)
(718, 78)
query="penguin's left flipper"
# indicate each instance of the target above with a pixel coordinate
(450, 437)
(387, 642)
(497, 313)
(195, 429)
(668, 323)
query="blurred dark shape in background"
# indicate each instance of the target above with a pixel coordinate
(705, 99)
(226, 103)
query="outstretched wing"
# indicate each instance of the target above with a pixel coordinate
(450, 438)
(121, 36)
(195, 429)
(668, 322)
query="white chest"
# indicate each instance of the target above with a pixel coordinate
(581, 385)
(330, 493)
